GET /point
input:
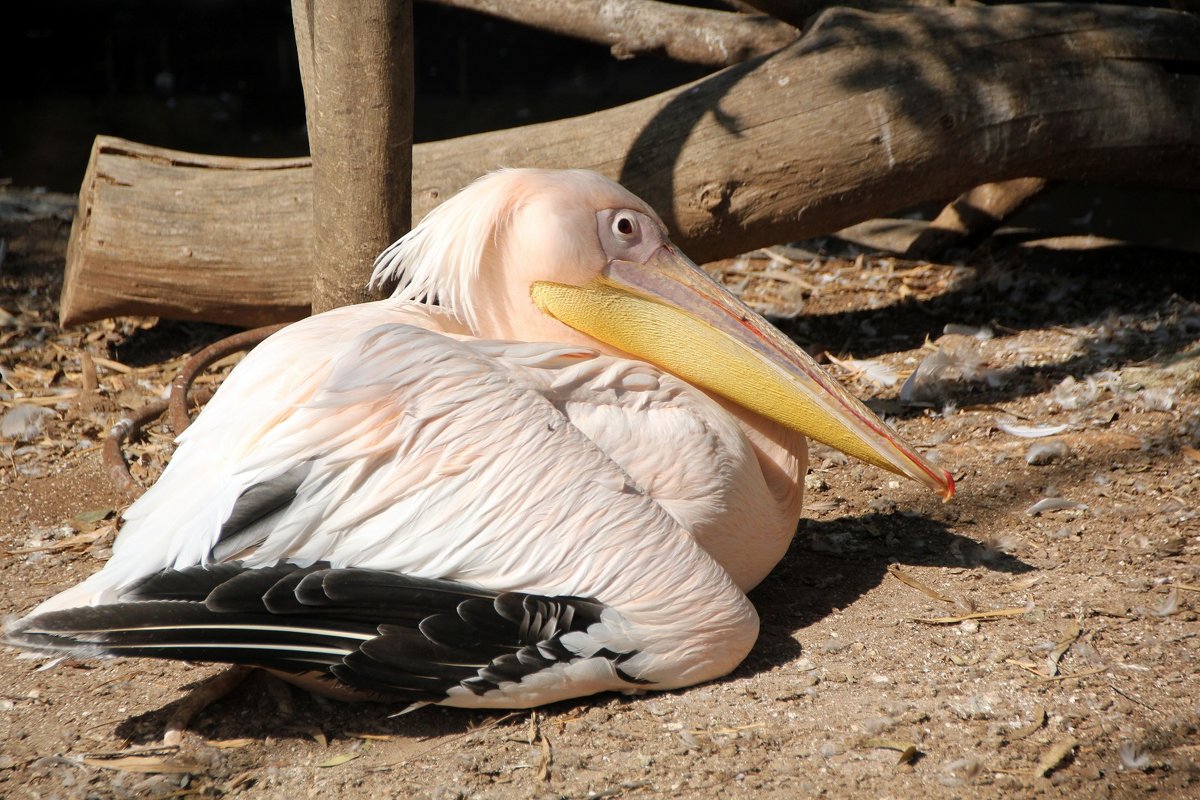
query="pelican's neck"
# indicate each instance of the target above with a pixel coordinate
(783, 459)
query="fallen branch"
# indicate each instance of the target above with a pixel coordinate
(801, 12)
(863, 116)
(632, 28)
(974, 216)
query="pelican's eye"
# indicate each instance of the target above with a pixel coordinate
(624, 226)
(628, 235)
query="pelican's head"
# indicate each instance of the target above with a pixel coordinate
(571, 256)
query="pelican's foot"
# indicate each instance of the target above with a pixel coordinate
(204, 695)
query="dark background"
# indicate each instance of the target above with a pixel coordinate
(220, 77)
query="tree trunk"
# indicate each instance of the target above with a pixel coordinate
(863, 116)
(360, 108)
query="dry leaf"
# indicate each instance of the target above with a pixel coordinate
(1053, 504)
(981, 615)
(1060, 649)
(546, 759)
(95, 515)
(160, 760)
(1190, 452)
(1025, 665)
(1039, 719)
(1031, 431)
(338, 760)
(908, 580)
(77, 540)
(228, 744)
(1021, 584)
(1055, 756)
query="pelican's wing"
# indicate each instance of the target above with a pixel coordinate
(377, 633)
(403, 450)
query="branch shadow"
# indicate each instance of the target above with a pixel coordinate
(649, 165)
(252, 711)
(1123, 294)
(832, 563)
(168, 339)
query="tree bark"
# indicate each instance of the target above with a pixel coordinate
(645, 27)
(360, 136)
(863, 116)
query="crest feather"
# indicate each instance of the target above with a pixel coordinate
(439, 260)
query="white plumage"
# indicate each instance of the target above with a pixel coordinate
(401, 441)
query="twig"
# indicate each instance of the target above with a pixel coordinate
(993, 614)
(178, 404)
(908, 580)
(1131, 698)
(1081, 674)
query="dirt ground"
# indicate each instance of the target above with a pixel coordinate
(908, 648)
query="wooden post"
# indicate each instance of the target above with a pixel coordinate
(356, 61)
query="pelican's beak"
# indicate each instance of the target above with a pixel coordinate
(671, 313)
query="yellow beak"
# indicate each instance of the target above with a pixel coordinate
(669, 312)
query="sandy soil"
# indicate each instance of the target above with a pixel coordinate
(867, 680)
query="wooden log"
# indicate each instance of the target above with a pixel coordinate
(862, 116)
(161, 232)
(631, 28)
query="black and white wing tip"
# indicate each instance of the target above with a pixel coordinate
(383, 635)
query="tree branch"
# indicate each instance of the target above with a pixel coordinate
(974, 216)
(646, 27)
(799, 13)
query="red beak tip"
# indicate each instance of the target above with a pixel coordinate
(948, 492)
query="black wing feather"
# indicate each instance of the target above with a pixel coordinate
(255, 512)
(384, 633)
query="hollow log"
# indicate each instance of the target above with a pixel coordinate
(865, 115)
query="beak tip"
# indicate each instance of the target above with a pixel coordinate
(947, 487)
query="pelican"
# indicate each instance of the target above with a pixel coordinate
(551, 464)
